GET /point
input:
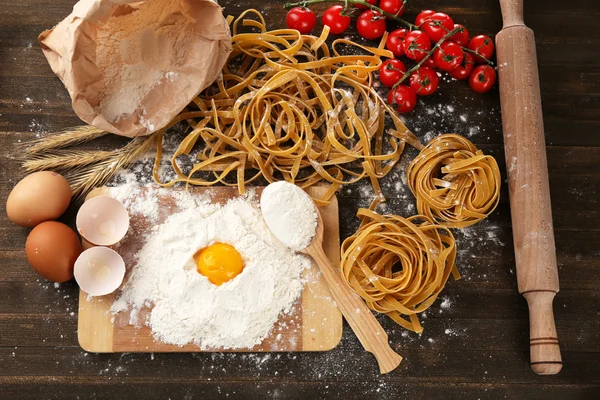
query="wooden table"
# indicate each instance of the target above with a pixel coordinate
(475, 344)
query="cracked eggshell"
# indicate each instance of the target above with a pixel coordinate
(102, 221)
(99, 271)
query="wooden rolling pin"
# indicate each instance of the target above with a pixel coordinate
(525, 149)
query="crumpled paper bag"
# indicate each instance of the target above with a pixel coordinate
(176, 54)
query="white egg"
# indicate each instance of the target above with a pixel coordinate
(102, 221)
(99, 271)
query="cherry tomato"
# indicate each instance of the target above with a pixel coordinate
(429, 63)
(463, 71)
(370, 25)
(484, 46)
(448, 56)
(404, 98)
(395, 7)
(371, 2)
(424, 81)
(461, 37)
(416, 45)
(482, 78)
(391, 71)
(395, 42)
(422, 17)
(333, 18)
(437, 25)
(302, 19)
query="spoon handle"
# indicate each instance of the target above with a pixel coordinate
(366, 327)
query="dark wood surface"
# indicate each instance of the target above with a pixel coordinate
(477, 347)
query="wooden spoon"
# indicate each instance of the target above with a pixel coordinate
(368, 330)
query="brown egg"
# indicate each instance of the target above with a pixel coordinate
(41, 196)
(52, 248)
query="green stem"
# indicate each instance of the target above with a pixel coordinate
(429, 53)
(307, 3)
(477, 53)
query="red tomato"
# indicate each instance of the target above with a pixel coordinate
(404, 98)
(448, 56)
(333, 18)
(370, 25)
(463, 71)
(301, 19)
(461, 37)
(437, 26)
(395, 7)
(429, 63)
(484, 46)
(422, 17)
(391, 71)
(416, 45)
(424, 81)
(395, 42)
(482, 78)
(371, 2)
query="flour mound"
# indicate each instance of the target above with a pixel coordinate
(187, 308)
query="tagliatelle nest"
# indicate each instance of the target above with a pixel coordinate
(455, 184)
(399, 265)
(290, 107)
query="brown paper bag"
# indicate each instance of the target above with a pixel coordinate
(131, 66)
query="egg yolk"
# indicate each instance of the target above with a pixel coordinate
(219, 262)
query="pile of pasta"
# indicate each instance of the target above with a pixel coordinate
(399, 265)
(290, 107)
(455, 184)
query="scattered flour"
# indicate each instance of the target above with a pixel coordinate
(446, 304)
(187, 308)
(138, 200)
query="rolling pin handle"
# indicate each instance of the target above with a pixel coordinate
(543, 341)
(512, 13)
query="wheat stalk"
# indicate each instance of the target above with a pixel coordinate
(84, 169)
(86, 179)
(67, 138)
(64, 160)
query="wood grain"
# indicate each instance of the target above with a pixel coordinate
(315, 324)
(486, 353)
(525, 150)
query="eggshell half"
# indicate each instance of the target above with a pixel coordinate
(99, 271)
(103, 221)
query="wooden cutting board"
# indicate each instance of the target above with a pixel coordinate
(314, 325)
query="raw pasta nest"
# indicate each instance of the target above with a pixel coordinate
(291, 107)
(399, 265)
(455, 184)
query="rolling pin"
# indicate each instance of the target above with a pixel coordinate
(525, 149)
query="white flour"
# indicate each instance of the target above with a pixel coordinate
(187, 308)
(289, 213)
(137, 51)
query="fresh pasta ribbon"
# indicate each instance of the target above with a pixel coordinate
(455, 184)
(399, 265)
(289, 107)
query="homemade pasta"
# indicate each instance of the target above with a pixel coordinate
(290, 107)
(454, 183)
(399, 265)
